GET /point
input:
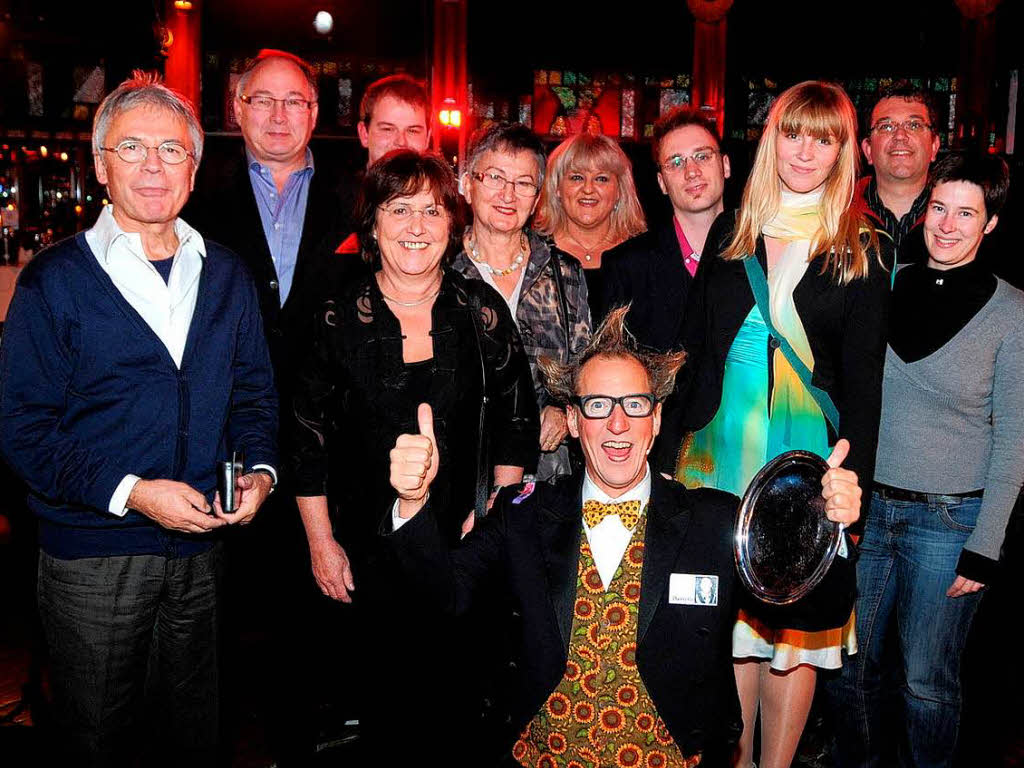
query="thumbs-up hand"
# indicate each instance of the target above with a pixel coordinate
(839, 487)
(414, 463)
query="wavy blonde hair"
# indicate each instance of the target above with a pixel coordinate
(587, 152)
(821, 110)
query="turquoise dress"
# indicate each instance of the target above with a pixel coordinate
(753, 425)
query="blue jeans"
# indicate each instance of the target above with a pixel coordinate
(908, 560)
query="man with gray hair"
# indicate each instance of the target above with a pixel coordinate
(133, 363)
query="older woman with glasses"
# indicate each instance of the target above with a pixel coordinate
(545, 289)
(414, 340)
(589, 205)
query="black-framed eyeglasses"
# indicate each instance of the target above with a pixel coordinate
(677, 163)
(888, 127)
(133, 151)
(522, 187)
(263, 103)
(635, 406)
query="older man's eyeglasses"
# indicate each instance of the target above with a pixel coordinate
(432, 214)
(601, 406)
(677, 163)
(522, 187)
(889, 127)
(132, 151)
(262, 103)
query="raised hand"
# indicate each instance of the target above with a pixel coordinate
(414, 464)
(839, 487)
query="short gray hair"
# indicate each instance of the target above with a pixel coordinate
(506, 137)
(144, 89)
(267, 54)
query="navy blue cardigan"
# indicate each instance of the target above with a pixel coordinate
(89, 394)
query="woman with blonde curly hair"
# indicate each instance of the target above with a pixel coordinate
(589, 204)
(785, 332)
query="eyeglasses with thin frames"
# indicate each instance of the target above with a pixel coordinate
(430, 215)
(132, 151)
(889, 127)
(677, 163)
(263, 103)
(522, 187)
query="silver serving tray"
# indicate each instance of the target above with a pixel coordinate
(784, 543)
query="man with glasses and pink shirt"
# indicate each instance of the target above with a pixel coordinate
(655, 270)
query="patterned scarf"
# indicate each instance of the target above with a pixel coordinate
(796, 224)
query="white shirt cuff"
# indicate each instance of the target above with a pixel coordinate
(270, 469)
(119, 501)
(396, 520)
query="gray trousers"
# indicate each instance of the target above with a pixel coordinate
(133, 657)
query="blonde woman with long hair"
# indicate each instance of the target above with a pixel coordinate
(589, 204)
(800, 253)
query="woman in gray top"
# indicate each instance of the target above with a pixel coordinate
(950, 465)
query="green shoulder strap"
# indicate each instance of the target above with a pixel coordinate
(759, 285)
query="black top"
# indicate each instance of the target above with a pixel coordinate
(845, 326)
(163, 266)
(355, 395)
(595, 293)
(931, 306)
(647, 272)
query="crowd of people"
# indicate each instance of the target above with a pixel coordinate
(495, 429)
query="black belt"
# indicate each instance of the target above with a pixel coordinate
(901, 494)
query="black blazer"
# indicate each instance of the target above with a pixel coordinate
(353, 399)
(648, 271)
(223, 208)
(528, 550)
(845, 326)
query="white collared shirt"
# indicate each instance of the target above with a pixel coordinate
(609, 538)
(166, 307)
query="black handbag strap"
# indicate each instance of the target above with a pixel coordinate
(563, 305)
(483, 484)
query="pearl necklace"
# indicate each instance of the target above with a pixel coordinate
(516, 262)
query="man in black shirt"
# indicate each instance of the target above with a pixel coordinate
(900, 142)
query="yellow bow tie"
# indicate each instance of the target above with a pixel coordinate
(595, 511)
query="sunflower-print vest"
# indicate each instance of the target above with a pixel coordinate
(601, 714)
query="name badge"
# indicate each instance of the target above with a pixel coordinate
(693, 589)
